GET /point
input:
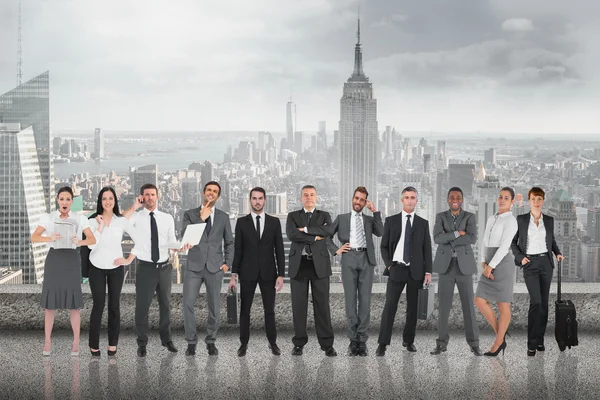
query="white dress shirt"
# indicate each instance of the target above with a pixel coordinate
(47, 222)
(108, 242)
(262, 222)
(536, 236)
(399, 253)
(356, 241)
(500, 230)
(166, 235)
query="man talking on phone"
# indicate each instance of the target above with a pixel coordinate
(206, 262)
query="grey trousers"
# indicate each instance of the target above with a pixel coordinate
(446, 294)
(357, 278)
(191, 288)
(149, 279)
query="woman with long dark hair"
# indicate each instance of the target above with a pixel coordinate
(106, 267)
(61, 288)
(498, 276)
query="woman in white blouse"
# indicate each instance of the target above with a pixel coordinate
(106, 267)
(61, 288)
(497, 280)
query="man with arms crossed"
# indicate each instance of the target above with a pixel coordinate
(355, 231)
(207, 262)
(310, 263)
(455, 231)
(258, 259)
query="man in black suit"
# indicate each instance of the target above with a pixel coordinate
(309, 263)
(406, 252)
(258, 245)
(355, 231)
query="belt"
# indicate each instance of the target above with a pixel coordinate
(400, 264)
(537, 255)
(307, 256)
(158, 264)
(358, 249)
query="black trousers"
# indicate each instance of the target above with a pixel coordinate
(152, 278)
(320, 296)
(400, 277)
(267, 292)
(99, 280)
(538, 277)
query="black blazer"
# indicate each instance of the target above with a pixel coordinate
(519, 243)
(254, 256)
(421, 259)
(320, 225)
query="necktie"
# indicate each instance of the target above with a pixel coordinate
(407, 240)
(155, 254)
(360, 231)
(208, 225)
(258, 225)
(307, 247)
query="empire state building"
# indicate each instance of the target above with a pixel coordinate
(358, 135)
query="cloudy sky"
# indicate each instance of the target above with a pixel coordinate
(444, 65)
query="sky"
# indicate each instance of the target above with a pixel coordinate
(436, 65)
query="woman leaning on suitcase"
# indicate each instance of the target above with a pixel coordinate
(533, 246)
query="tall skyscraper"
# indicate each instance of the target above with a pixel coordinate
(190, 193)
(489, 157)
(276, 204)
(98, 144)
(298, 142)
(290, 123)
(462, 176)
(22, 202)
(142, 175)
(565, 233)
(29, 105)
(358, 135)
(322, 136)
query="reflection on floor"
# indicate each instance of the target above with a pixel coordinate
(456, 374)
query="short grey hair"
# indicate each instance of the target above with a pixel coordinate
(410, 189)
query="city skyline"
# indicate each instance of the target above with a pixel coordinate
(472, 66)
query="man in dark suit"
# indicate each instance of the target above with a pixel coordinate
(455, 230)
(355, 231)
(206, 262)
(309, 263)
(406, 252)
(258, 245)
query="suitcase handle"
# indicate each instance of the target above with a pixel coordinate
(558, 289)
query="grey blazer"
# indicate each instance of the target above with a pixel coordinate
(443, 235)
(373, 226)
(213, 250)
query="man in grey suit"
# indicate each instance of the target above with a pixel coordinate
(355, 231)
(206, 262)
(455, 231)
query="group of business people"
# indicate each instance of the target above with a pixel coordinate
(257, 258)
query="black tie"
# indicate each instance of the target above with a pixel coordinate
(208, 226)
(307, 247)
(407, 238)
(155, 255)
(258, 225)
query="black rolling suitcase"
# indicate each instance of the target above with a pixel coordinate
(566, 319)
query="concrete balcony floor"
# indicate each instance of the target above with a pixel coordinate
(456, 374)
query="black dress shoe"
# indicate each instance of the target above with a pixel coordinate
(380, 352)
(329, 351)
(477, 351)
(212, 349)
(242, 350)
(541, 347)
(530, 353)
(362, 349)
(111, 353)
(353, 348)
(141, 351)
(170, 347)
(275, 349)
(410, 347)
(95, 353)
(297, 351)
(438, 350)
(191, 349)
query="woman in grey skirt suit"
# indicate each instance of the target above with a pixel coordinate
(497, 280)
(61, 288)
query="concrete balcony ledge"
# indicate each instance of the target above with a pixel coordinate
(20, 308)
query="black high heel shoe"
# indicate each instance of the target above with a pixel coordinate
(111, 353)
(95, 353)
(495, 353)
